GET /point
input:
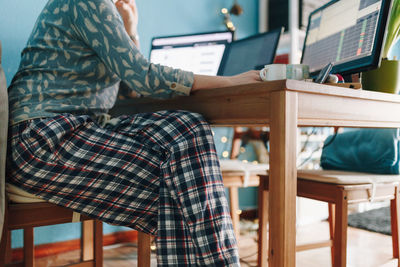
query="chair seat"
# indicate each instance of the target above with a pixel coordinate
(346, 177)
(18, 195)
(246, 170)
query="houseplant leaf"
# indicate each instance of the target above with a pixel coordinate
(393, 32)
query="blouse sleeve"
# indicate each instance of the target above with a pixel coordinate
(100, 26)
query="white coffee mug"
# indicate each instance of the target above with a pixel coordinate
(274, 72)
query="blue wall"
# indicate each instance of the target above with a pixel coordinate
(168, 18)
(395, 51)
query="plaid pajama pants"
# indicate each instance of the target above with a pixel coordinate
(157, 173)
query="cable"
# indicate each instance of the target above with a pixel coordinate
(309, 157)
(248, 256)
(314, 130)
(247, 263)
(330, 141)
(315, 150)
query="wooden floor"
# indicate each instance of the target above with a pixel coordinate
(365, 249)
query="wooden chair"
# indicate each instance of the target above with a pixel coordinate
(33, 212)
(237, 174)
(26, 216)
(339, 189)
(21, 210)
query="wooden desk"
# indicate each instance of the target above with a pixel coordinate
(283, 105)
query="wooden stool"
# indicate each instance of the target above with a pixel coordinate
(339, 189)
(237, 174)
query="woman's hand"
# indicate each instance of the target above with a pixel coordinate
(205, 82)
(129, 13)
(246, 77)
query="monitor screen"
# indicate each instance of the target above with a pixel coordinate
(251, 53)
(347, 33)
(199, 53)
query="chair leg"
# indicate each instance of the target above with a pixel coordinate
(395, 218)
(8, 257)
(87, 240)
(92, 242)
(144, 251)
(5, 242)
(340, 232)
(234, 207)
(263, 222)
(5, 246)
(29, 248)
(98, 243)
(331, 220)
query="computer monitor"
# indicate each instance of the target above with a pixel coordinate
(347, 33)
(200, 53)
(250, 53)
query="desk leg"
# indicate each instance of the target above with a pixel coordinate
(282, 182)
(263, 213)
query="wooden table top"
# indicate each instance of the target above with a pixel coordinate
(318, 105)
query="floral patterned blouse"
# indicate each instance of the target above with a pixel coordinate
(75, 58)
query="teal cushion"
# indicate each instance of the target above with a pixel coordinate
(365, 150)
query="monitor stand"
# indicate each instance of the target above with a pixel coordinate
(352, 78)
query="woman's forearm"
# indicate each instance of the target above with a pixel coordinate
(207, 82)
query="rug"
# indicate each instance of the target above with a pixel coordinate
(376, 220)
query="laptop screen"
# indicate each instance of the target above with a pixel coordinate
(200, 53)
(251, 53)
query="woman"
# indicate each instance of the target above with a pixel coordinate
(157, 172)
